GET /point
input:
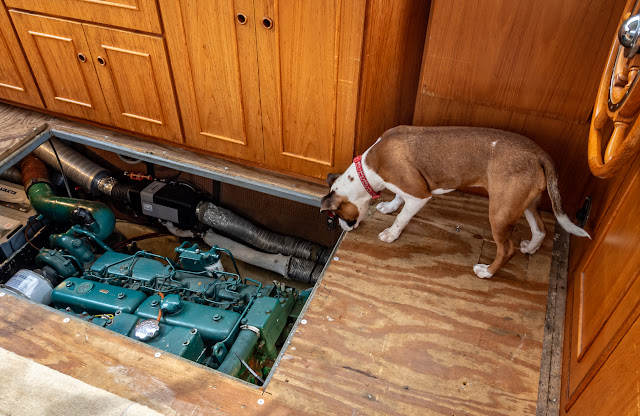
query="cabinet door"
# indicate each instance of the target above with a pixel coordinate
(603, 304)
(62, 64)
(132, 14)
(16, 82)
(215, 67)
(309, 59)
(135, 79)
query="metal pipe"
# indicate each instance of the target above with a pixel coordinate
(243, 347)
(76, 166)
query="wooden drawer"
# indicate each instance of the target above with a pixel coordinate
(131, 14)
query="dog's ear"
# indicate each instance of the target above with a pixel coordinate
(331, 178)
(330, 202)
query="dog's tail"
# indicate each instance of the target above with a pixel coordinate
(554, 195)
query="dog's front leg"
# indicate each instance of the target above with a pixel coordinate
(390, 206)
(411, 206)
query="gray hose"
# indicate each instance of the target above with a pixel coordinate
(286, 266)
(226, 221)
(12, 174)
(76, 166)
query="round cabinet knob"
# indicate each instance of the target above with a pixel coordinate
(101, 61)
(242, 19)
(82, 58)
(267, 23)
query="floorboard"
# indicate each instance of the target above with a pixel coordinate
(401, 328)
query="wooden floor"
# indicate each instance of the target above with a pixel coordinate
(402, 328)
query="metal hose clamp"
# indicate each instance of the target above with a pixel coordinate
(252, 329)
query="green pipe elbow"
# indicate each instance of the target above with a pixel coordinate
(59, 208)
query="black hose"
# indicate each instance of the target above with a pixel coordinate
(229, 223)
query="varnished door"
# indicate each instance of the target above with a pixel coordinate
(62, 64)
(309, 55)
(132, 14)
(215, 66)
(136, 82)
(16, 82)
(600, 367)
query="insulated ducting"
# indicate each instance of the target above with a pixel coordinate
(288, 267)
(12, 174)
(229, 223)
(75, 166)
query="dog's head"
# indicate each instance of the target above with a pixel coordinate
(346, 199)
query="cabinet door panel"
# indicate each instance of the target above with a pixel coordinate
(309, 71)
(605, 291)
(136, 82)
(216, 72)
(132, 14)
(16, 82)
(69, 85)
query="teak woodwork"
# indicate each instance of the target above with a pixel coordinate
(284, 95)
(309, 80)
(104, 75)
(136, 82)
(131, 14)
(275, 83)
(16, 82)
(522, 68)
(215, 67)
(604, 303)
(69, 83)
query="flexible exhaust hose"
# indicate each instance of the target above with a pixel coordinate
(226, 221)
(286, 266)
(97, 179)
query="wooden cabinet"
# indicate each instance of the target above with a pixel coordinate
(16, 82)
(62, 64)
(104, 75)
(131, 14)
(136, 81)
(309, 59)
(600, 352)
(272, 82)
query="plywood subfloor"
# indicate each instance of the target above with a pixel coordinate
(401, 328)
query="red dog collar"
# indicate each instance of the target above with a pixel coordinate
(358, 161)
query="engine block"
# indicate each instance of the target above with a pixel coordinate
(190, 307)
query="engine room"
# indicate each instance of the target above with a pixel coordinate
(208, 271)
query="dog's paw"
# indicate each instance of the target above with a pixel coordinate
(527, 247)
(389, 235)
(386, 207)
(481, 271)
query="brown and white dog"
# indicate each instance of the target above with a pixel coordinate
(418, 162)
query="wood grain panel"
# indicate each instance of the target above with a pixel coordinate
(68, 85)
(614, 389)
(139, 100)
(131, 14)
(309, 73)
(565, 142)
(406, 328)
(16, 82)
(532, 57)
(605, 292)
(215, 66)
(393, 47)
